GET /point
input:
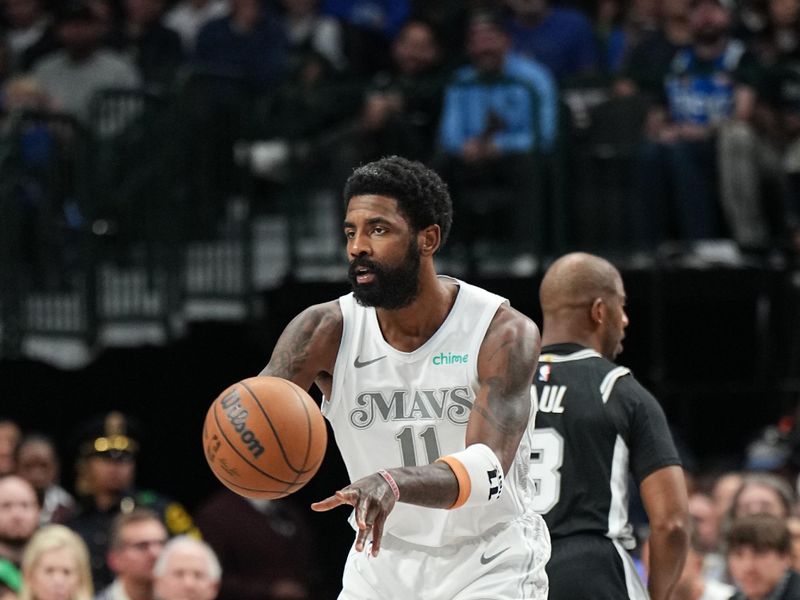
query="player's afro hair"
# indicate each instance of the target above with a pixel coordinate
(421, 194)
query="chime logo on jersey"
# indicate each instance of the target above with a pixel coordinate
(450, 358)
(453, 404)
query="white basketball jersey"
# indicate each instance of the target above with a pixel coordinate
(390, 409)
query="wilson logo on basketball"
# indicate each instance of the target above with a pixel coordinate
(237, 415)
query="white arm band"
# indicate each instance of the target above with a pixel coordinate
(479, 474)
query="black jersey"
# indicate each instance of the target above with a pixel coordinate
(595, 424)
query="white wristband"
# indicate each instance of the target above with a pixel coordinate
(479, 474)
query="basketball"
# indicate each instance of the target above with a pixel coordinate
(264, 437)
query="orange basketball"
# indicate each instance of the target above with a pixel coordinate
(264, 437)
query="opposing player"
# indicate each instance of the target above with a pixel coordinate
(595, 424)
(426, 383)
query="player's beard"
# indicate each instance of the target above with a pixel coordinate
(393, 287)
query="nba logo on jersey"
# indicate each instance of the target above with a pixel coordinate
(544, 373)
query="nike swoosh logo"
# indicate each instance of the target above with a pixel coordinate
(358, 364)
(485, 560)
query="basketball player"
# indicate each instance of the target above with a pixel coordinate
(595, 423)
(426, 383)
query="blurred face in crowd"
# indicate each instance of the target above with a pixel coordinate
(111, 474)
(9, 438)
(186, 576)
(704, 516)
(19, 510)
(415, 49)
(55, 576)
(487, 46)
(80, 36)
(37, 462)
(300, 8)
(784, 13)
(709, 21)
(138, 548)
(759, 499)
(671, 9)
(757, 573)
(144, 11)
(22, 13)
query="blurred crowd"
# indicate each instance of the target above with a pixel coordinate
(105, 537)
(698, 99)
(109, 539)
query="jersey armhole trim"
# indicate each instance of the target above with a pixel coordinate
(330, 405)
(611, 378)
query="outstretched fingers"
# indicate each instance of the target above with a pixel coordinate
(340, 498)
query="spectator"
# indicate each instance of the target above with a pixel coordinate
(759, 559)
(369, 28)
(156, 50)
(106, 487)
(37, 461)
(19, 517)
(55, 566)
(73, 75)
(562, 39)
(498, 112)
(401, 107)
(706, 540)
(619, 28)
(136, 540)
(308, 31)
(29, 32)
(709, 85)
(187, 568)
(248, 43)
(187, 17)
(266, 547)
(763, 494)
(10, 435)
(648, 62)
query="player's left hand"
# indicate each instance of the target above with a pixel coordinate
(373, 500)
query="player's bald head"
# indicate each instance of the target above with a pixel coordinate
(577, 279)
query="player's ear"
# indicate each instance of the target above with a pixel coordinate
(430, 240)
(598, 311)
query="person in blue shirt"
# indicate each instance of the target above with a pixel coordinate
(500, 113)
(562, 39)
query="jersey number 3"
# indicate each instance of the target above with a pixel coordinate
(547, 456)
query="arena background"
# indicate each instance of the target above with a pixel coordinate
(712, 344)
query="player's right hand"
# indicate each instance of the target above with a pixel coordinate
(372, 499)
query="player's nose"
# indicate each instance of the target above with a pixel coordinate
(359, 245)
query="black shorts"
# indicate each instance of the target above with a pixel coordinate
(591, 567)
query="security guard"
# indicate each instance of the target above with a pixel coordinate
(105, 487)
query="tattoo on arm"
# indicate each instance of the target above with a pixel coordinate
(291, 354)
(508, 400)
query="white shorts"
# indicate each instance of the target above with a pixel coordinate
(507, 563)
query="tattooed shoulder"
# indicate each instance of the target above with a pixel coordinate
(308, 345)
